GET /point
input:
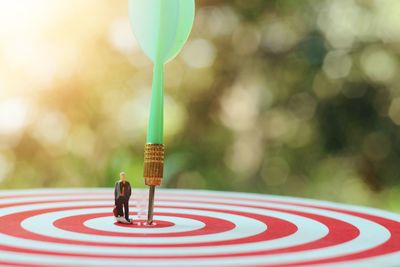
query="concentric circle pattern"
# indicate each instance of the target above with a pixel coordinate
(75, 227)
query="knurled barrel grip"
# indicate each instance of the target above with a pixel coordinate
(153, 164)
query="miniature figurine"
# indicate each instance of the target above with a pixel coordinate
(122, 193)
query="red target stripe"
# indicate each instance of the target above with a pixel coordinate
(56, 194)
(9, 205)
(392, 245)
(212, 225)
(14, 264)
(277, 228)
(330, 239)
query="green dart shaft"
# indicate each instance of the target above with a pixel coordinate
(156, 118)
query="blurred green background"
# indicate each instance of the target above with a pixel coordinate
(295, 98)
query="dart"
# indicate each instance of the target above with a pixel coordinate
(161, 28)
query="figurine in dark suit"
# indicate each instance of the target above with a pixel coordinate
(122, 193)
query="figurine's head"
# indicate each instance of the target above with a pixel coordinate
(122, 176)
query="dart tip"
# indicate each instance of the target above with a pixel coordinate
(151, 205)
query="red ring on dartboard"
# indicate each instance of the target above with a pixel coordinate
(9, 205)
(211, 256)
(390, 246)
(14, 264)
(387, 223)
(212, 225)
(274, 225)
(56, 195)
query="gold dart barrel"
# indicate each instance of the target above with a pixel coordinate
(153, 164)
(153, 172)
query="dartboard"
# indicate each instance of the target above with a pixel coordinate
(76, 227)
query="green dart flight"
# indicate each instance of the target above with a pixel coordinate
(161, 28)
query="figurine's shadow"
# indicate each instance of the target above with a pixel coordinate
(142, 223)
